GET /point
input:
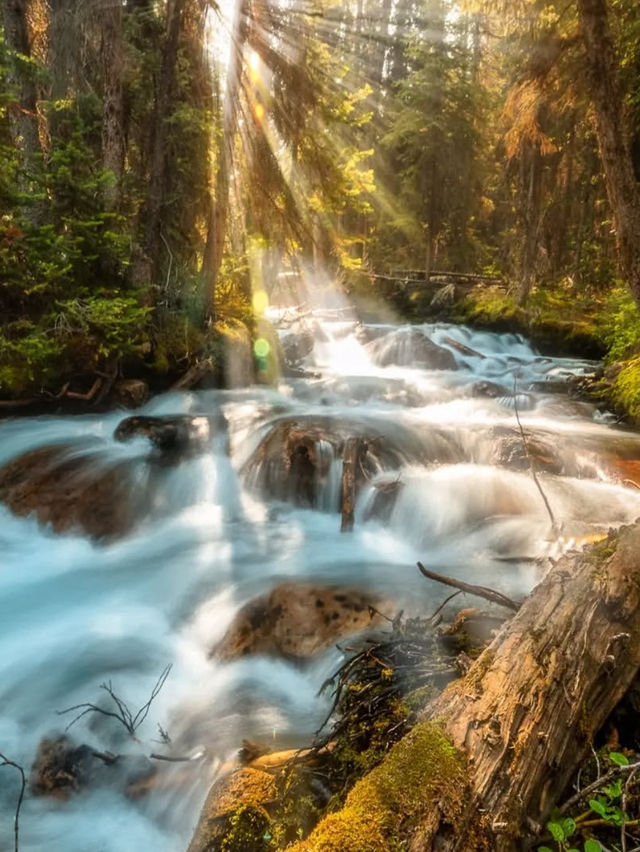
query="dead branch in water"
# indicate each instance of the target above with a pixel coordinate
(554, 525)
(122, 713)
(479, 591)
(4, 761)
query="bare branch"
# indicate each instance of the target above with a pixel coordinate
(124, 715)
(554, 525)
(4, 761)
(479, 591)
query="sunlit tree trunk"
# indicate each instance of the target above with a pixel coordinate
(613, 139)
(219, 214)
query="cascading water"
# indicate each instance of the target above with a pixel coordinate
(448, 484)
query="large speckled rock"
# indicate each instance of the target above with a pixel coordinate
(297, 621)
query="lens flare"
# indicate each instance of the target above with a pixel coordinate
(261, 348)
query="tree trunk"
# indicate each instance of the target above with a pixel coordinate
(531, 224)
(516, 727)
(23, 114)
(220, 204)
(157, 175)
(613, 140)
(113, 142)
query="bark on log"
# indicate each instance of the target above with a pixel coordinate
(521, 719)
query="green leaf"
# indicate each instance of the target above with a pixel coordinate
(592, 846)
(556, 830)
(598, 807)
(568, 826)
(544, 849)
(618, 758)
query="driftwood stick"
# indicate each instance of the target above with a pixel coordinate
(4, 761)
(89, 395)
(616, 772)
(478, 591)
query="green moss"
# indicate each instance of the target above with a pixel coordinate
(391, 798)
(558, 320)
(624, 392)
(602, 551)
(248, 830)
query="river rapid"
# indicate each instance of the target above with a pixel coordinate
(75, 614)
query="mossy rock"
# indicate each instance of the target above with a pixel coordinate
(387, 803)
(234, 818)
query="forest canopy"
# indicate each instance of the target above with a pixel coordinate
(162, 163)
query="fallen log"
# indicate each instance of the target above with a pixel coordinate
(494, 752)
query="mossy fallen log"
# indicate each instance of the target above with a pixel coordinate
(494, 752)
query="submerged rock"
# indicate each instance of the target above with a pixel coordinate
(61, 768)
(70, 491)
(297, 621)
(411, 348)
(510, 451)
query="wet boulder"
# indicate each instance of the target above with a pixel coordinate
(411, 348)
(296, 347)
(130, 393)
(539, 450)
(173, 438)
(70, 490)
(295, 459)
(488, 390)
(297, 621)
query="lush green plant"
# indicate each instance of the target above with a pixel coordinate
(605, 809)
(619, 324)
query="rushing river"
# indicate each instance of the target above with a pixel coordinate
(74, 614)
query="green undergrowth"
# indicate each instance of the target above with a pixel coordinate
(558, 321)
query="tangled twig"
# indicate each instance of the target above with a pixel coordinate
(122, 712)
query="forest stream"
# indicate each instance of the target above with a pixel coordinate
(230, 516)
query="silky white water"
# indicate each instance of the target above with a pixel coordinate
(74, 614)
